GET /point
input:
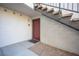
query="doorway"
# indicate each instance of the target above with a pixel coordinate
(36, 29)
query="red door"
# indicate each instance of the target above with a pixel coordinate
(36, 29)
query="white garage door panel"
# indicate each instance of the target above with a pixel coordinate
(12, 29)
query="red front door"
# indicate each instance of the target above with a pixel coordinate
(36, 29)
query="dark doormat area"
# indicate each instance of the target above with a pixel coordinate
(33, 41)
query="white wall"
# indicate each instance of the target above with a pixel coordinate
(13, 27)
(58, 35)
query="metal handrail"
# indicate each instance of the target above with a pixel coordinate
(62, 8)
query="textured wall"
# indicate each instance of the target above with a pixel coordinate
(58, 35)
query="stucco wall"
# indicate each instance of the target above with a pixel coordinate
(13, 27)
(59, 35)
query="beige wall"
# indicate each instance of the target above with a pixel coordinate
(13, 27)
(58, 35)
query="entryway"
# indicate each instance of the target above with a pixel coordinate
(36, 29)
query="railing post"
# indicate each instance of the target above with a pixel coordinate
(59, 8)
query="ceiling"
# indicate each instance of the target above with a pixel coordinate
(21, 7)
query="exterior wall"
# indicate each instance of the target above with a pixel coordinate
(13, 27)
(59, 35)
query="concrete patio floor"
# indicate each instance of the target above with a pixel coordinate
(18, 49)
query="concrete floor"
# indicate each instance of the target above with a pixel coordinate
(27, 48)
(18, 49)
